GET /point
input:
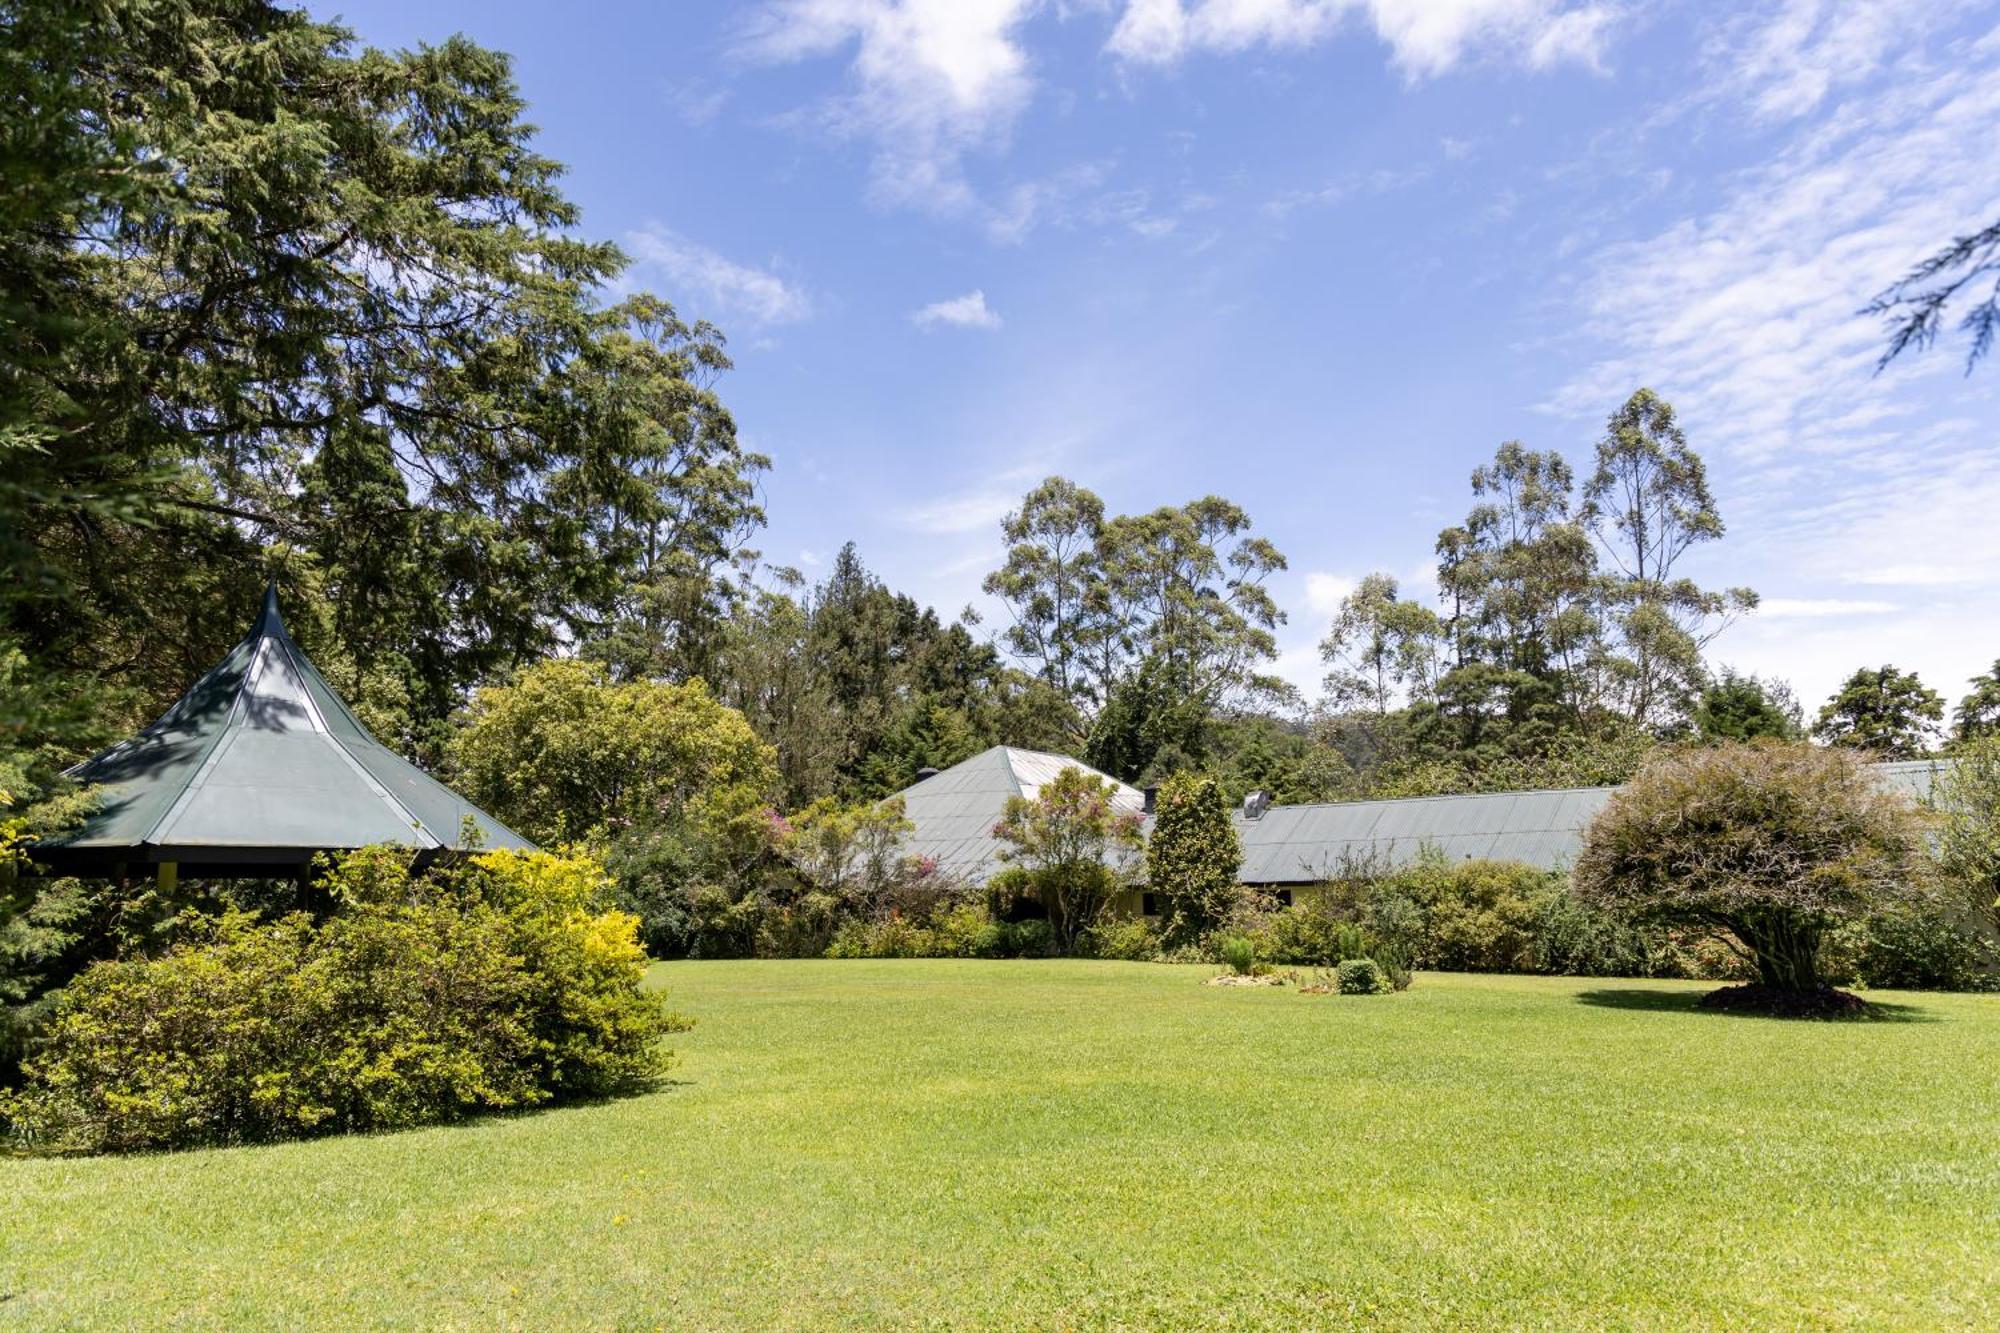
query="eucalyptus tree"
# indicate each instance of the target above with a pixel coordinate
(1648, 502)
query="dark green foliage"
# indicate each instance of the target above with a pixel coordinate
(1361, 976)
(1744, 708)
(419, 1000)
(1239, 952)
(1889, 713)
(1192, 856)
(1978, 713)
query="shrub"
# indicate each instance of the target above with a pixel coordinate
(1574, 938)
(968, 931)
(1361, 976)
(1027, 939)
(1914, 950)
(1239, 953)
(1192, 858)
(1130, 941)
(802, 929)
(1311, 933)
(1775, 843)
(1394, 967)
(1470, 916)
(419, 1000)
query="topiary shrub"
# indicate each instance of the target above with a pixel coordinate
(1361, 976)
(421, 999)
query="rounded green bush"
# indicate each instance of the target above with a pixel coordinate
(1361, 976)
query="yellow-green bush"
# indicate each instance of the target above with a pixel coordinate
(419, 999)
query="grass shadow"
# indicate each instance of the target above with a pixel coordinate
(1689, 1002)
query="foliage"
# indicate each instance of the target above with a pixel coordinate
(1239, 952)
(1967, 800)
(1978, 713)
(1775, 843)
(1914, 305)
(1889, 713)
(1178, 592)
(1648, 503)
(277, 304)
(1070, 849)
(1361, 976)
(1192, 856)
(1745, 708)
(1381, 648)
(964, 930)
(564, 751)
(420, 999)
(1132, 940)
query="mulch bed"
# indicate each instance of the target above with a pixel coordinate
(1823, 1003)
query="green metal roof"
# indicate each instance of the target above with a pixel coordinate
(254, 769)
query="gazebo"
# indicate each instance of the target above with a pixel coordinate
(254, 771)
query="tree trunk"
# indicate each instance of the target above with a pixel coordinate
(1787, 951)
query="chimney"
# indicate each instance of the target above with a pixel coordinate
(1255, 804)
(1152, 798)
(924, 774)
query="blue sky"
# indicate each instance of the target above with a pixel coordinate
(1319, 256)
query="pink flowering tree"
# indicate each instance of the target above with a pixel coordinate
(1071, 848)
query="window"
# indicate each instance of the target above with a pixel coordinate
(1149, 904)
(1284, 897)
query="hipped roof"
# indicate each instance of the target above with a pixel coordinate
(256, 768)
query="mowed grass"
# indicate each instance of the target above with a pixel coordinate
(1067, 1144)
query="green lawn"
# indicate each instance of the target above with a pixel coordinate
(1091, 1144)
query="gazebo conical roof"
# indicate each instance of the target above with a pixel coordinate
(252, 772)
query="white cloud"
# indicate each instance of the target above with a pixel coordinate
(1819, 608)
(969, 311)
(721, 286)
(1325, 592)
(932, 80)
(1425, 37)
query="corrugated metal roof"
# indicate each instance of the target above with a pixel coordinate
(260, 763)
(955, 811)
(1304, 844)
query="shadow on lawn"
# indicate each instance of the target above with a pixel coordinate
(1689, 1002)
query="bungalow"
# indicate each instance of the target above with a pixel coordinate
(1286, 847)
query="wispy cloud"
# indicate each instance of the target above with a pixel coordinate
(1354, 185)
(1744, 314)
(720, 286)
(954, 514)
(931, 81)
(1425, 37)
(969, 311)
(1819, 608)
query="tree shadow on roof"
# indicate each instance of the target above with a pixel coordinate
(1655, 1000)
